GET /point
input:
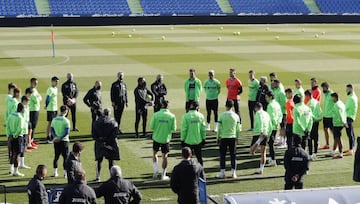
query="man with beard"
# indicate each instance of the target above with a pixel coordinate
(105, 131)
(93, 100)
(159, 90)
(263, 89)
(193, 88)
(351, 107)
(143, 99)
(70, 92)
(119, 97)
(328, 112)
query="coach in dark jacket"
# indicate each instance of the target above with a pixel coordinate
(185, 178)
(105, 131)
(296, 163)
(142, 101)
(93, 100)
(118, 190)
(78, 192)
(70, 92)
(263, 89)
(73, 161)
(36, 189)
(159, 90)
(118, 95)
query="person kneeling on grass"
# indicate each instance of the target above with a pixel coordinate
(296, 163)
(262, 129)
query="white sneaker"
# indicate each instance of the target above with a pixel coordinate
(97, 179)
(50, 141)
(216, 127)
(208, 127)
(17, 173)
(56, 174)
(220, 176)
(272, 163)
(234, 176)
(259, 172)
(65, 175)
(313, 157)
(165, 178)
(24, 167)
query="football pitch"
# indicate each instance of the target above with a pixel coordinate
(329, 52)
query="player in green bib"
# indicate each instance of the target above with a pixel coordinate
(280, 97)
(34, 106)
(351, 108)
(8, 97)
(212, 91)
(60, 129)
(193, 88)
(254, 86)
(299, 89)
(15, 131)
(26, 115)
(227, 137)
(328, 112)
(193, 130)
(51, 105)
(163, 124)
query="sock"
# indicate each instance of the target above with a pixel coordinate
(216, 126)
(233, 171)
(16, 170)
(156, 167)
(164, 173)
(22, 161)
(332, 152)
(262, 167)
(55, 171)
(65, 174)
(222, 171)
(97, 171)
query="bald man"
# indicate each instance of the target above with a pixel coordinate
(70, 92)
(93, 100)
(119, 99)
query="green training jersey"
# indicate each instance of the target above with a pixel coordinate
(303, 119)
(8, 97)
(163, 123)
(212, 89)
(26, 113)
(339, 114)
(35, 100)
(351, 106)
(328, 105)
(262, 123)
(253, 89)
(274, 111)
(280, 97)
(15, 125)
(12, 106)
(315, 108)
(300, 91)
(52, 94)
(192, 87)
(229, 125)
(60, 124)
(193, 128)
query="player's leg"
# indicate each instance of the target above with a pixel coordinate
(22, 152)
(156, 148)
(232, 150)
(98, 168)
(17, 145)
(316, 137)
(64, 153)
(327, 125)
(117, 113)
(165, 149)
(215, 108)
(289, 135)
(237, 108)
(271, 149)
(137, 121)
(73, 116)
(222, 151)
(262, 159)
(351, 136)
(208, 114)
(111, 163)
(251, 106)
(282, 138)
(144, 121)
(120, 113)
(198, 153)
(57, 152)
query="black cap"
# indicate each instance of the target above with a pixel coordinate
(54, 78)
(276, 81)
(229, 103)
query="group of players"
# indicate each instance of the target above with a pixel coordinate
(295, 111)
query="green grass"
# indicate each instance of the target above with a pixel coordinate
(91, 53)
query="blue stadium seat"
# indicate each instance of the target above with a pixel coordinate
(17, 7)
(197, 7)
(339, 6)
(269, 6)
(89, 7)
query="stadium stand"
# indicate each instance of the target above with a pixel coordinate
(269, 6)
(17, 7)
(339, 6)
(196, 7)
(89, 7)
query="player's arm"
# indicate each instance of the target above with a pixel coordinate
(203, 128)
(199, 85)
(135, 194)
(113, 93)
(100, 192)
(64, 91)
(219, 128)
(152, 122)
(173, 126)
(240, 88)
(47, 100)
(76, 91)
(153, 89)
(165, 90)
(184, 129)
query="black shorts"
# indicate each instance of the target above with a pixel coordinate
(16, 145)
(50, 115)
(187, 104)
(256, 137)
(165, 148)
(314, 130)
(337, 132)
(212, 105)
(34, 116)
(283, 121)
(328, 123)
